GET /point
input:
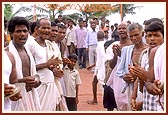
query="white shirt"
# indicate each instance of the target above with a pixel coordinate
(70, 35)
(71, 79)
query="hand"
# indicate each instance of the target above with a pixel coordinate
(16, 97)
(66, 61)
(77, 100)
(137, 71)
(58, 72)
(90, 67)
(133, 104)
(128, 78)
(37, 79)
(8, 89)
(116, 50)
(30, 82)
(53, 62)
(158, 87)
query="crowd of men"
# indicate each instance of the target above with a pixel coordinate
(127, 59)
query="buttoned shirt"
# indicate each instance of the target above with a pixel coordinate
(71, 79)
(91, 38)
(80, 39)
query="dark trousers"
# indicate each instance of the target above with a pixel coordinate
(82, 56)
(71, 103)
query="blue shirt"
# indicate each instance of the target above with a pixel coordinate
(91, 38)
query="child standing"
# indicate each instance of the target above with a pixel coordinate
(72, 81)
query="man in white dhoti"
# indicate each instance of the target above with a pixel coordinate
(25, 66)
(113, 53)
(42, 51)
(130, 55)
(54, 50)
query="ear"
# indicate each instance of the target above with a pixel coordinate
(143, 33)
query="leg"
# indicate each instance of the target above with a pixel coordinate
(94, 85)
(94, 89)
(84, 57)
(79, 51)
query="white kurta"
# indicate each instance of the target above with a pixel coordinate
(48, 91)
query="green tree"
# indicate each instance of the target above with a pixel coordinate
(8, 11)
(126, 9)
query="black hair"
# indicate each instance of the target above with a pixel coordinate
(17, 21)
(32, 26)
(56, 21)
(73, 56)
(155, 26)
(80, 20)
(60, 25)
(53, 23)
(95, 18)
(60, 16)
(147, 22)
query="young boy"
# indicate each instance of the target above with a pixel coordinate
(72, 81)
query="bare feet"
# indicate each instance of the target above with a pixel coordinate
(92, 102)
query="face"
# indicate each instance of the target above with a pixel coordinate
(73, 61)
(154, 38)
(53, 34)
(70, 23)
(106, 34)
(122, 31)
(80, 24)
(84, 24)
(135, 36)
(60, 18)
(60, 34)
(93, 25)
(45, 29)
(20, 35)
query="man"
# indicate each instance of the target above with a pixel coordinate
(9, 77)
(18, 28)
(155, 75)
(70, 36)
(58, 72)
(114, 58)
(130, 55)
(60, 39)
(154, 37)
(91, 43)
(115, 36)
(45, 59)
(99, 73)
(80, 44)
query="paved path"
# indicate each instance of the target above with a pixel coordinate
(85, 93)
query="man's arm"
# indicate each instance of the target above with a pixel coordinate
(150, 77)
(13, 76)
